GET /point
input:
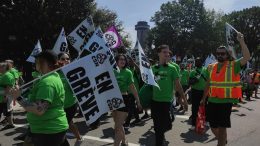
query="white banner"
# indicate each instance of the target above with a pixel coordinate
(145, 67)
(61, 44)
(231, 36)
(94, 85)
(95, 43)
(79, 37)
(210, 60)
(37, 49)
(135, 53)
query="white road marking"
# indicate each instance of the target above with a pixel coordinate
(182, 117)
(105, 140)
(20, 125)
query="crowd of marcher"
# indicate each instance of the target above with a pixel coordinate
(51, 105)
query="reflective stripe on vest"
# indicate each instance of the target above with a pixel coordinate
(224, 84)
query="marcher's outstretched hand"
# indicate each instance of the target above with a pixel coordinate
(15, 92)
(240, 37)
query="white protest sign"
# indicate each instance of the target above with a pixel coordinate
(135, 53)
(61, 44)
(79, 37)
(37, 49)
(145, 67)
(94, 84)
(95, 43)
(231, 34)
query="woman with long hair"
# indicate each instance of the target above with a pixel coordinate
(44, 105)
(126, 82)
(70, 103)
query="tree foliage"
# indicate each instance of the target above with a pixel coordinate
(188, 28)
(25, 21)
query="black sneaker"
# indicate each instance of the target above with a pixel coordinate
(4, 121)
(9, 126)
(145, 116)
(137, 121)
(126, 126)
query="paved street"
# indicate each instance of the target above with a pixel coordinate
(245, 131)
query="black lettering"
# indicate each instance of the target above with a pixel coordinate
(145, 61)
(91, 112)
(93, 47)
(105, 85)
(63, 47)
(84, 53)
(75, 74)
(85, 94)
(82, 31)
(88, 103)
(81, 84)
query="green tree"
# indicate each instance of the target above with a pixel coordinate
(23, 22)
(188, 27)
(247, 21)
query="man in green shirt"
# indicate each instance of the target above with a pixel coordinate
(198, 79)
(167, 78)
(219, 109)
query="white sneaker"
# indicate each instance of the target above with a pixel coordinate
(79, 142)
(192, 128)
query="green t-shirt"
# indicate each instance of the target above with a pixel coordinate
(237, 69)
(70, 99)
(15, 73)
(7, 79)
(124, 79)
(136, 80)
(49, 88)
(36, 74)
(1, 90)
(184, 75)
(200, 73)
(165, 77)
(176, 66)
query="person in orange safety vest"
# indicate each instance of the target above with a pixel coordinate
(223, 89)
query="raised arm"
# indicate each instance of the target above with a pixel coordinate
(244, 49)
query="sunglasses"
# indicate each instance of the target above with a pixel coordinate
(63, 59)
(221, 53)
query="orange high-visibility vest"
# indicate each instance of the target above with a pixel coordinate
(225, 83)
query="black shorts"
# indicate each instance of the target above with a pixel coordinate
(126, 102)
(218, 114)
(70, 112)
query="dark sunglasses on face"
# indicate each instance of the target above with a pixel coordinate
(221, 53)
(63, 59)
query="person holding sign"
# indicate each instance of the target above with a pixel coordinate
(126, 82)
(70, 102)
(44, 105)
(223, 89)
(167, 78)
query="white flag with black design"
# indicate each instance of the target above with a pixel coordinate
(135, 53)
(231, 37)
(145, 67)
(61, 44)
(37, 49)
(80, 36)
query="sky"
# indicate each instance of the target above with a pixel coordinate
(132, 11)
